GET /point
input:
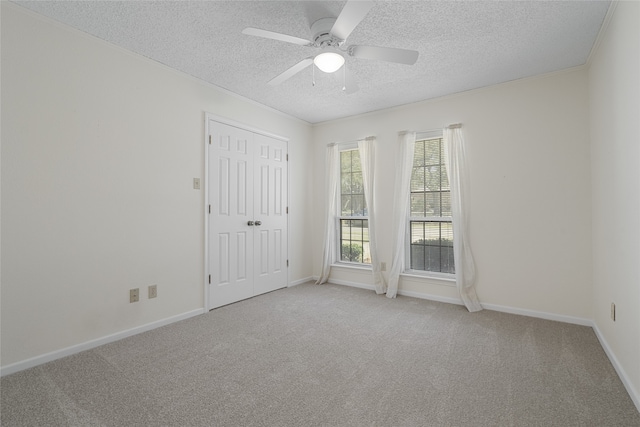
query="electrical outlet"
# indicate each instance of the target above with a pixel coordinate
(153, 291)
(383, 266)
(613, 311)
(134, 295)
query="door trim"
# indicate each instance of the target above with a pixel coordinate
(213, 117)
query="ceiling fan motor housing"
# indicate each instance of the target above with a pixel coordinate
(321, 33)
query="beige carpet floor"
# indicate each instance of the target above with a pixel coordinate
(331, 356)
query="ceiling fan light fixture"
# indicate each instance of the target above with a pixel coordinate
(329, 62)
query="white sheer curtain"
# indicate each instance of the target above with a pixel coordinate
(454, 149)
(404, 166)
(329, 252)
(366, 148)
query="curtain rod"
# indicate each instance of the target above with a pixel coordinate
(350, 142)
(455, 126)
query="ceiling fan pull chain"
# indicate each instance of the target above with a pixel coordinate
(313, 74)
(344, 77)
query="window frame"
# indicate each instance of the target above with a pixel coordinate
(408, 271)
(351, 146)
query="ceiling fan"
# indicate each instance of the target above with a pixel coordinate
(329, 35)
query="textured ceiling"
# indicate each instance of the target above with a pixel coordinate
(462, 45)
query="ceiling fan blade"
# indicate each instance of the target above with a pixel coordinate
(351, 15)
(275, 36)
(291, 72)
(391, 54)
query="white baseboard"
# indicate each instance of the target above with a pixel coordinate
(430, 297)
(352, 284)
(493, 307)
(412, 294)
(57, 354)
(633, 393)
(301, 281)
(539, 314)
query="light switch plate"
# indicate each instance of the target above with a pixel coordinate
(613, 311)
(196, 183)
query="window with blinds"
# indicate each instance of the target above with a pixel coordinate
(353, 220)
(430, 226)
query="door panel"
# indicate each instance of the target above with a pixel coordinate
(263, 253)
(247, 182)
(270, 248)
(231, 194)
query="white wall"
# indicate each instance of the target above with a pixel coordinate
(614, 89)
(99, 150)
(528, 151)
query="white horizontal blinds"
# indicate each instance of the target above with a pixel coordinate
(352, 202)
(430, 192)
(354, 225)
(430, 227)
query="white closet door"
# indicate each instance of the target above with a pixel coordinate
(248, 219)
(270, 212)
(231, 198)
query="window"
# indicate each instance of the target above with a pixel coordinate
(430, 226)
(353, 220)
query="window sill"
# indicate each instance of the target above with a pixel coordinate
(353, 266)
(444, 279)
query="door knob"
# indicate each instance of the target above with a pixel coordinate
(250, 223)
(258, 222)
